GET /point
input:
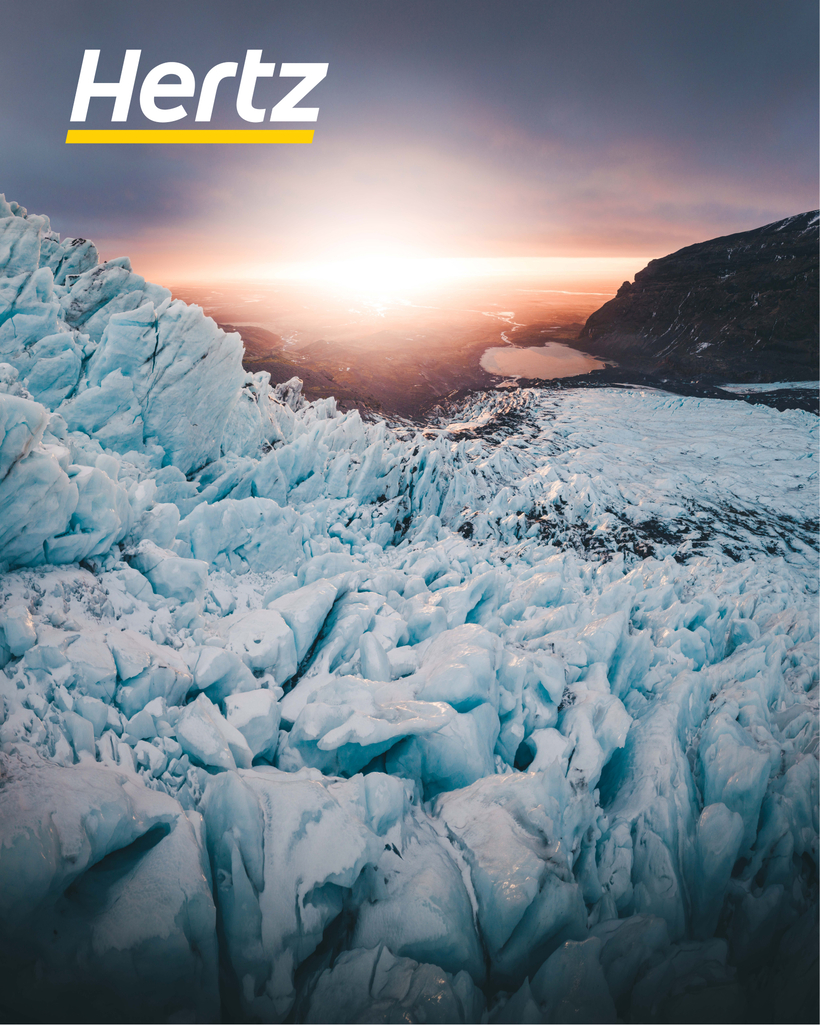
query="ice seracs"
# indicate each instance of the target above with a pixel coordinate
(310, 718)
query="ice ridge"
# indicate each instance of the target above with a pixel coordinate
(306, 717)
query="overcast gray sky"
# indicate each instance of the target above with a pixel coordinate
(465, 127)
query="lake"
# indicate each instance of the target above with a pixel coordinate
(547, 362)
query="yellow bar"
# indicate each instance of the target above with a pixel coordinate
(179, 136)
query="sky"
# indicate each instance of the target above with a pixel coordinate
(465, 128)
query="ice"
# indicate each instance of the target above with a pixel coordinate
(373, 985)
(460, 667)
(717, 844)
(69, 257)
(147, 670)
(256, 716)
(99, 870)
(95, 711)
(169, 575)
(23, 426)
(81, 661)
(520, 835)
(209, 738)
(374, 660)
(159, 371)
(347, 722)
(510, 714)
(263, 640)
(31, 477)
(595, 725)
(307, 849)
(415, 900)
(570, 985)
(549, 746)
(220, 672)
(18, 630)
(242, 534)
(81, 733)
(305, 610)
(628, 945)
(694, 979)
(735, 772)
(455, 755)
(159, 524)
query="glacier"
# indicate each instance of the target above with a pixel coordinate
(510, 716)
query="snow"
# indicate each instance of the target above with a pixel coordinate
(303, 717)
(769, 386)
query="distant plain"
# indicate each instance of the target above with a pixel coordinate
(402, 350)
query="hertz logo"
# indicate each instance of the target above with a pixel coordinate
(173, 80)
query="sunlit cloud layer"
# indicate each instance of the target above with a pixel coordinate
(471, 129)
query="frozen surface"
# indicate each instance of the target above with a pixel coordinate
(774, 386)
(512, 717)
(542, 361)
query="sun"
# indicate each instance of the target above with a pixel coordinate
(392, 274)
(379, 274)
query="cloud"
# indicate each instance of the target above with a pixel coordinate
(449, 130)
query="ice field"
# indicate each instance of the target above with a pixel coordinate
(511, 717)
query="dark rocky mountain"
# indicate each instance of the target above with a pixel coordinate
(739, 308)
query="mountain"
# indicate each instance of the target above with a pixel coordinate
(737, 308)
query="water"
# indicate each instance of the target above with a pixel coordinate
(547, 362)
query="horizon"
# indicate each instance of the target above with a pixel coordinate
(395, 270)
(379, 274)
(603, 274)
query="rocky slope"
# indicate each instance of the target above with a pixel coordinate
(742, 308)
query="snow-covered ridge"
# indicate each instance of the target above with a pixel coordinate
(511, 718)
